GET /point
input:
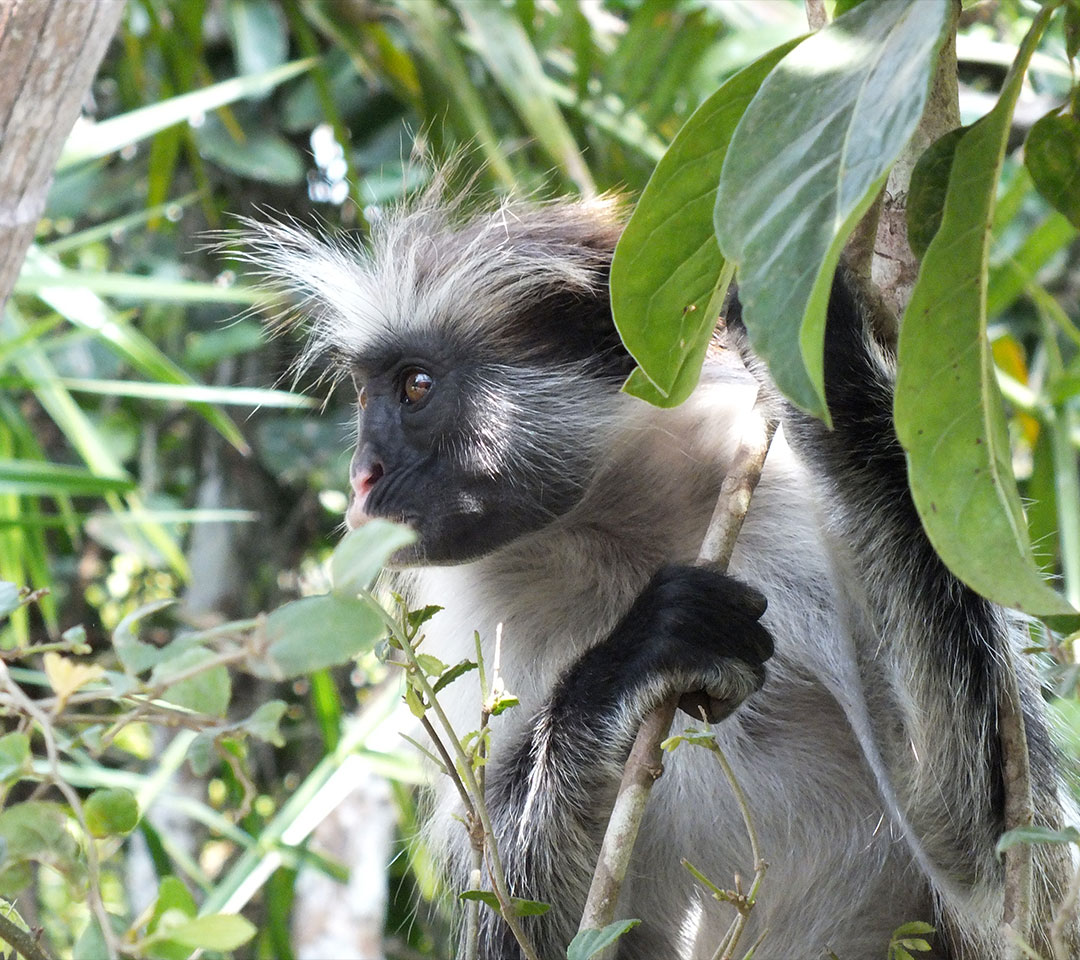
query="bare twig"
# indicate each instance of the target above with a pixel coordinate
(1066, 913)
(1019, 807)
(23, 941)
(643, 767)
(816, 15)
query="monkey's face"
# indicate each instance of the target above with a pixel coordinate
(470, 453)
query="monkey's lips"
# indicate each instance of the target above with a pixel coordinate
(355, 516)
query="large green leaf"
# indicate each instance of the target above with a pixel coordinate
(806, 161)
(361, 555)
(667, 263)
(317, 632)
(948, 406)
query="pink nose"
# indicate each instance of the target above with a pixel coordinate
(364, 472)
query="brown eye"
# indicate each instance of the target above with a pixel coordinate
(362, 397)
(415, 386)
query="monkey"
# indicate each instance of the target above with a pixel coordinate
(852, 678)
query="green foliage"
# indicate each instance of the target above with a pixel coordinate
(832, 118)
(929, 186)
(667, 272)
(909, 937)
(111, 812)
(132, 416)
(952, 425)
(588, 943)
(1052, 156)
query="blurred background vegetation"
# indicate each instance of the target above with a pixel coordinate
(150, 446)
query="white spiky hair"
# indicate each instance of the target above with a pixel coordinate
(430, 263)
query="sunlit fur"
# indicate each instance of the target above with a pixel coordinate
(868, 757)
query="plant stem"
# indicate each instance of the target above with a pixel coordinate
(464, 766)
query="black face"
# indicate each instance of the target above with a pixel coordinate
(441, 449)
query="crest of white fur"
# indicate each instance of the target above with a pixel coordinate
(418, 269)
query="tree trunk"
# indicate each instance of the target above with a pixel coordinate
(49, 50)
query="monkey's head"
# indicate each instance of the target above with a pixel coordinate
(484, 357)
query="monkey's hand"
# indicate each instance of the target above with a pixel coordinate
(693, 633)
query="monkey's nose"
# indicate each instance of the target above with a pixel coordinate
(365, 470)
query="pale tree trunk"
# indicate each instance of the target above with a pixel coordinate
(49, 50)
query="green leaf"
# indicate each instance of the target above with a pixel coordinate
(453, 673)
(175, 900)
(1036, 834)
(913, 928)
(1072, 28)
(208, 691)
(10, 599)
(521, 908)
(39, 477)
(318, 632)
(414, 703)
(948, 410)
(926, 195)
(806, 161)
(358, 559)
(432, 666)
(1052, 156)
(588, 943)
(483, 896)
(14, 755)
(417, 618)
(219, 931)
(134, 655)
(92, 140)
(667, 263)
(173, 894)
(258, 35)
(502, 703)
(262, 155)
(37, 830)
(265, 722)
(112, 812)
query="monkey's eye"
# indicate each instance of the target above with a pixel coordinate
(415, 385)
(362, 397)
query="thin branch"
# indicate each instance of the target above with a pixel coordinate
(1019, 808)
(1066, 913)
(644, 767)
(23, 941)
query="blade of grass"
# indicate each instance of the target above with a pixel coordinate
(84, 436)
(89, 141)
(190, 393)
(83, 308)
(104, 231)
(503, 45)
(40, 477)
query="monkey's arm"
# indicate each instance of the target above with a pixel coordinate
(689, 630)
(928, 648)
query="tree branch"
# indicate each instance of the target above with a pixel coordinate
(643, 767)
